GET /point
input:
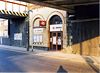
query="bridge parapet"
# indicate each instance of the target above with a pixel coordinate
(14, 8)
(12, 13)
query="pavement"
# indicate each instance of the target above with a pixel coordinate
(93, 61)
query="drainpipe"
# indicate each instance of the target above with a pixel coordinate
(28, 33)
(1, 40)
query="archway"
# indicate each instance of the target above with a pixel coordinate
(56, 34)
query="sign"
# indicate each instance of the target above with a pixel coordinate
(18, 36)
(56, 27)
(42, 23)
(38, 30)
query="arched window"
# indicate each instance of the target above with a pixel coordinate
(55, 20)
(36, 22)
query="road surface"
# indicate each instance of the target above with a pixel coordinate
(16, 61)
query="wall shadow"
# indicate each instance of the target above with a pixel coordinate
(7, 64)
(90, 62)
(84, 28)
(61, 70)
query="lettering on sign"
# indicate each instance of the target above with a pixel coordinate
(38, 30)
(56, 27)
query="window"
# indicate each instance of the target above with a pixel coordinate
(55, 20)
(2, 5)
(9, 6)
(36, 23)
(37, 38)
(22, 8)
(15, 8)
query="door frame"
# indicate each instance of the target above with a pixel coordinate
(51, 44)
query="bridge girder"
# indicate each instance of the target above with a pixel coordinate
(62, 4)
(10, 14)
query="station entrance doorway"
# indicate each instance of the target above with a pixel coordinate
(56, 33)
(55, 40)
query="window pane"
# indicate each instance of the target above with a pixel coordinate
(9, 6)
(36, 22)
(41, 39)
(15, 8)
(35, 38)
(2, 5)
(22, 8)
(26, 9)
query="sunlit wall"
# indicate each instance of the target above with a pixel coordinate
(12, 5)
(3, 28)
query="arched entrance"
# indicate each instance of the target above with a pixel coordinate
(56, 33)
(37, 32)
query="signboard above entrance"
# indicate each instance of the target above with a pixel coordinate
(56, 27)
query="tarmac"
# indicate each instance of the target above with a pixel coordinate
(93, 61)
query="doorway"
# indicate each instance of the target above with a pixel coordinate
(56, 33)
(56, 40)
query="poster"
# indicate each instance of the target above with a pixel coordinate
(18, 36)
(54, 40)
(59, 40)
